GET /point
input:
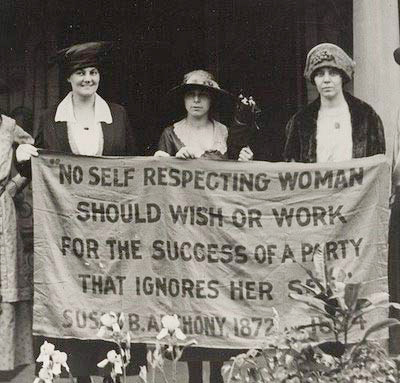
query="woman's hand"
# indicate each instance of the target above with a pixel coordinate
(24, 152)
(161, 153)
(246, 154)
(186, 153)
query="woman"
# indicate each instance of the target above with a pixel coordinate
(198, 135)
(84, 123)
(15, 271)
(337, 126)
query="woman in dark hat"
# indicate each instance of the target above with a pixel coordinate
(198, 134)
(84, 123)
(337, 126)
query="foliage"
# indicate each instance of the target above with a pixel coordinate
(296, 356)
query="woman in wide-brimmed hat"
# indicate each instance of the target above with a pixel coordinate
(86, 124)
(198, 134)
(337, 126)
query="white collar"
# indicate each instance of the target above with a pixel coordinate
(65, 110)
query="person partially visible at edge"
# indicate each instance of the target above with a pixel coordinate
(336, 126)
(394, 233)
(84, 123)
(15, 271)
(198, 134)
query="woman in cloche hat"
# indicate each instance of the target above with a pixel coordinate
(337, 126)
(198, 135)
(83, 123)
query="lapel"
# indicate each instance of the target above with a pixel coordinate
(309, 131)
(61, 136)
(108, 146)
(358, 131)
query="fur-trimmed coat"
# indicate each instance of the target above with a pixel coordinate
(301, 131)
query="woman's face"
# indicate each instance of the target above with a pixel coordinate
(197, 102)
(84, 82)
(329, 82)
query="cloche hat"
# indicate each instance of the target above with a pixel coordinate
(328, 55)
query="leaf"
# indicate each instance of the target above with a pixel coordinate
(380, 326)
(362, 303)
(351, 292)
(320, 265)
(335, 349)
(311, 301)
(314, 279)
(395, 305)
(371, 307)
(378, 298)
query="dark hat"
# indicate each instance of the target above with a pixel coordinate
(396, 55)
(201, 79)
(79, 56)
(328, 55)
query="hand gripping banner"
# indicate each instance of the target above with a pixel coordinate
(221, 244)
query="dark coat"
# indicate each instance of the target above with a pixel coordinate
(118, 141)
(301, 131)
(118, 137)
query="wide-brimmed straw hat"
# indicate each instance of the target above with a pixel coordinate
(200, 79)
(328, 55)
(79, 56)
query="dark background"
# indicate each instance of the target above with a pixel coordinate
(258, 47)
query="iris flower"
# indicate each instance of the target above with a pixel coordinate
(171, 325)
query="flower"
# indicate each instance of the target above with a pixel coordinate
(59, 359)
(46, 350)
(45, 375)
(143, 373)
(171, 325)
(110, 321)
(114, 359)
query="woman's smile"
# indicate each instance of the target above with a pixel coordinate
(85, 81)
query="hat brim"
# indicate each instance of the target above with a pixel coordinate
(216, 92)
(173, 107)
